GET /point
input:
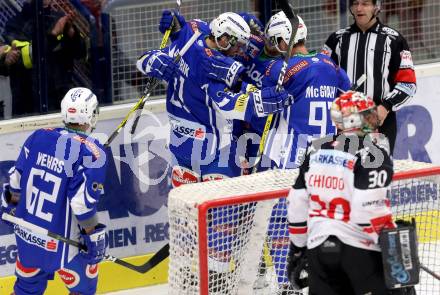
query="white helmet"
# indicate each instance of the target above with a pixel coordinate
(279, 27)
(80, 106)
(232, 25)
(355, 112)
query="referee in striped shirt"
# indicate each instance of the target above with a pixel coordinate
(382, 53)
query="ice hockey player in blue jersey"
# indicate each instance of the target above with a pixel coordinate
(314, 81)
(56, 184)
(201, 110)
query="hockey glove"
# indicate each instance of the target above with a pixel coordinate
(223, 69)
(8, 205)
(296, 264)
(269, 101)
(167, 21)
(254, 23)
(157, 64)
(95, 243)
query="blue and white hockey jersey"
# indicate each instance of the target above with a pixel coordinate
(201, 110)
(314, 81)
(59, 176)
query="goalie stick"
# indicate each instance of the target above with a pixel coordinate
(294, 21)
(157, 258)
(151, 83)
(143, 99)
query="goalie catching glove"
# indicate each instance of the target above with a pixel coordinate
(95, 243)
(157, 64)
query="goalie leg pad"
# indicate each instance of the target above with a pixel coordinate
(400, 256)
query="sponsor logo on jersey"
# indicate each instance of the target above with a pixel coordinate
(181, 175)
(406, 59)
(390, 31)
(232, 73)
(323, 91)
(92, 147)
(241, 103)
(92, 271)
(255, 75)
(331, 157)
(69, 277)
(187, 128)
(294, 70)
(34, 239)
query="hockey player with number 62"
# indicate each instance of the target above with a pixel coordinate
(56, 184)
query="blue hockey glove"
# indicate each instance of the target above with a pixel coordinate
(254, 23)
(7, 204)
(158, 65)
(96, 244)
(296, 264)
(269, 101)
(167, 20)
(223, 69)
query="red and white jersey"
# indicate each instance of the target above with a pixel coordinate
(341, 190)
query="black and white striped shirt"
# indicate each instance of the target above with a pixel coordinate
(383, 55)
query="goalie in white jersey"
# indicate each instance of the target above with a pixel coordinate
(338, 205)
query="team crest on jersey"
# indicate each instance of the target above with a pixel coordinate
(40, 241)
(70, 278)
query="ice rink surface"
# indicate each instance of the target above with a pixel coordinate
(154, 290)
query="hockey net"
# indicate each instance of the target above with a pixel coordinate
(222, 231)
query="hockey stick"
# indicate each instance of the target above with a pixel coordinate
(433, 274)
(294, 21)
(151, 83)
(145, 97)
(359, 82)
(147, 266)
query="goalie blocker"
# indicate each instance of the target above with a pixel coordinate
(400, 255)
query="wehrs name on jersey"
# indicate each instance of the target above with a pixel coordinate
(50, 162)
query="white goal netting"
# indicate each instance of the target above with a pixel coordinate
(231, 236)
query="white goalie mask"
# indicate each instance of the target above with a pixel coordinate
(279, 26)
(233, 26)
(80, 106)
